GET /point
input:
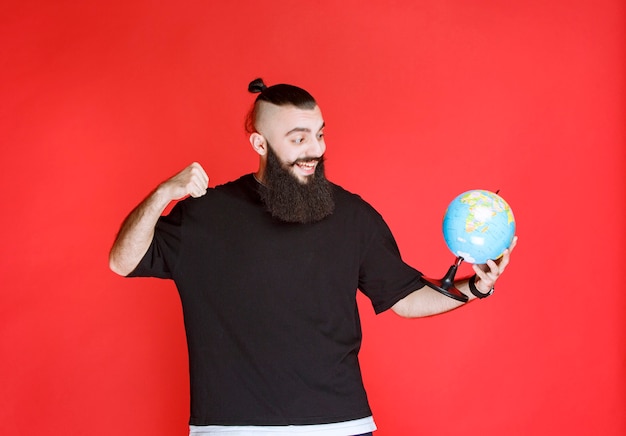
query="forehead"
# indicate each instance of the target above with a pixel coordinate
(284, 119)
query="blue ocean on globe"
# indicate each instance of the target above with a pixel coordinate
(478, 225)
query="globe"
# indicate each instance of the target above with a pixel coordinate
(478, 225)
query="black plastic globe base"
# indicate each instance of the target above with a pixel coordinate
(446, 284)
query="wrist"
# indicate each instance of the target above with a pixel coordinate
(162, 196)
(475, 291)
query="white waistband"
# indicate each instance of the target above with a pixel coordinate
(347, 428)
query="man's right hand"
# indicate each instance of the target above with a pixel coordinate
(135, 235)
(193, 181)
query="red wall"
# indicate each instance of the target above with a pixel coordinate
(422, 99)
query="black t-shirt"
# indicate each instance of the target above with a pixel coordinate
(270, 312)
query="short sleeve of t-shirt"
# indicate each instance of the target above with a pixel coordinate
(162, 255)
(383, 276)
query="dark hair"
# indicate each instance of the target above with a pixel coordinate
(280, 95)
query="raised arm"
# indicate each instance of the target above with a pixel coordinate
(426, 301)
(135, 235)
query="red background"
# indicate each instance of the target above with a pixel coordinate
(100, 101)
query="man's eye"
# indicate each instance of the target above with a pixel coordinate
(320, 135)
(298, 140)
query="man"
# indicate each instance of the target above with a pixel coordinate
(267, 268)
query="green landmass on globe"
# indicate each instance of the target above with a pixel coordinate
(483, 206)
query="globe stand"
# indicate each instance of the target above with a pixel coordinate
(446, 284)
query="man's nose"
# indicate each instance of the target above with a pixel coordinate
(317, 147)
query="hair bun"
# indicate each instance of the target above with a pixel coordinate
(257, 86)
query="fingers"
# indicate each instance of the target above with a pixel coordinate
(488, 271)
(200, 173)
(192, 180)
(491, 271)
(506, 256)
(513, 244)
(198, 180)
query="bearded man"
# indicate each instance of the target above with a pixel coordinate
(267, 268)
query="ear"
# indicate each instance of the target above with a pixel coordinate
(259, 143)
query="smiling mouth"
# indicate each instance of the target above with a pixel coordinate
(307, 165)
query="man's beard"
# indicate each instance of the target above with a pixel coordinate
(292, 201)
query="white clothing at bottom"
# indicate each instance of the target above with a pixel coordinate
(347, 428)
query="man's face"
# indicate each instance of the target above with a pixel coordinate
(296, 189)
(290, 200)
(296, 137)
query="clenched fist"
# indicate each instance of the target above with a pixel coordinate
(193, 181)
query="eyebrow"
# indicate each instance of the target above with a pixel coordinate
(303, 129)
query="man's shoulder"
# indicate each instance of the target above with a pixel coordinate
(343, 194)
(245, 182)
(352, 200)
(241, 189)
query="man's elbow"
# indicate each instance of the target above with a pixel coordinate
(403, 308)
(118, 267)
